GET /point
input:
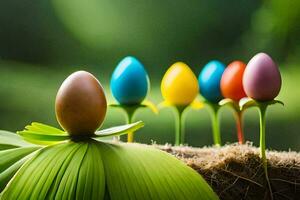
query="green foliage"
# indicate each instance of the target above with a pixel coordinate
(274, 29)
(248, 103)
(262, 108)
(10, 140)
(42, 134)
(91, 169)
(14, 152)
(130, 111)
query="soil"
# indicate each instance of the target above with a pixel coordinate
(236, 172)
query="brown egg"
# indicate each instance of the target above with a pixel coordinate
(80, 104)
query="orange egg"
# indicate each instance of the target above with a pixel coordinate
(232, 81)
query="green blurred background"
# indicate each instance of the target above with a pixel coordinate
(42, 42)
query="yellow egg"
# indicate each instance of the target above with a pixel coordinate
(179, 85)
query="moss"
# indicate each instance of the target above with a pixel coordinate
(236, 171)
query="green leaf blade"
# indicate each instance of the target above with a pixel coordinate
(248, 102)
(43, 138)
(56, 173)
(119, 130)
(10, 156)
(231, 103)
(146, 173)
(43, 128)
(10, 140)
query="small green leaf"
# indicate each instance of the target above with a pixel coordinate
(150, 105)
(144, 104)
(43, 138)
(44, 129)
(248, 102)
(119, 130)
(10, 140)
(42, 134)
(231, 103)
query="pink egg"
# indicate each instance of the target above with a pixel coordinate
(262, 80)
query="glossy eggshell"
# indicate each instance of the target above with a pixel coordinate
(80, 104)
(130, 82)
(232, 81)
(262, 79)
(209, 81)
(179, 85)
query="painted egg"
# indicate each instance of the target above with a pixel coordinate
(130, 82)
(232, 81)
(179, 85)
(80, 104)
(262, 80)
(209, 81)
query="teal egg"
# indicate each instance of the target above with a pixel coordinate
(209, 81)
(130, 82)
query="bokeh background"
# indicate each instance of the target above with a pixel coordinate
(42, 42)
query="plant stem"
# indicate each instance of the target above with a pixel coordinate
(130, 135)
(239, 127)
(180, 131)
(215, 124)
(130, 113)
(262, 121)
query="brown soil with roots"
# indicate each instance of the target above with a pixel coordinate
(236, 171)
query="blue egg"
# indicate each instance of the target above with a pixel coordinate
(209, 81)
(129, 82)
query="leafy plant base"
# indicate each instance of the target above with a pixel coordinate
(236, 171)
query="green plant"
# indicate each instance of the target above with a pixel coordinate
(262, 108)
(130, 111)
(214, 110)
(44, 162)
(89, 168)
(180, 113)
(179, 88)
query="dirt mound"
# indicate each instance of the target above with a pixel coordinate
(236, 171)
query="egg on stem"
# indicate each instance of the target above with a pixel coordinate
(262, 82)
(232, 89)
(209, 84)
(130, 85)
(179, 88)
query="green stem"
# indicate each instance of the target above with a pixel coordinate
(180, 132)
(262, 123)
(215, 124)
(130, 114)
